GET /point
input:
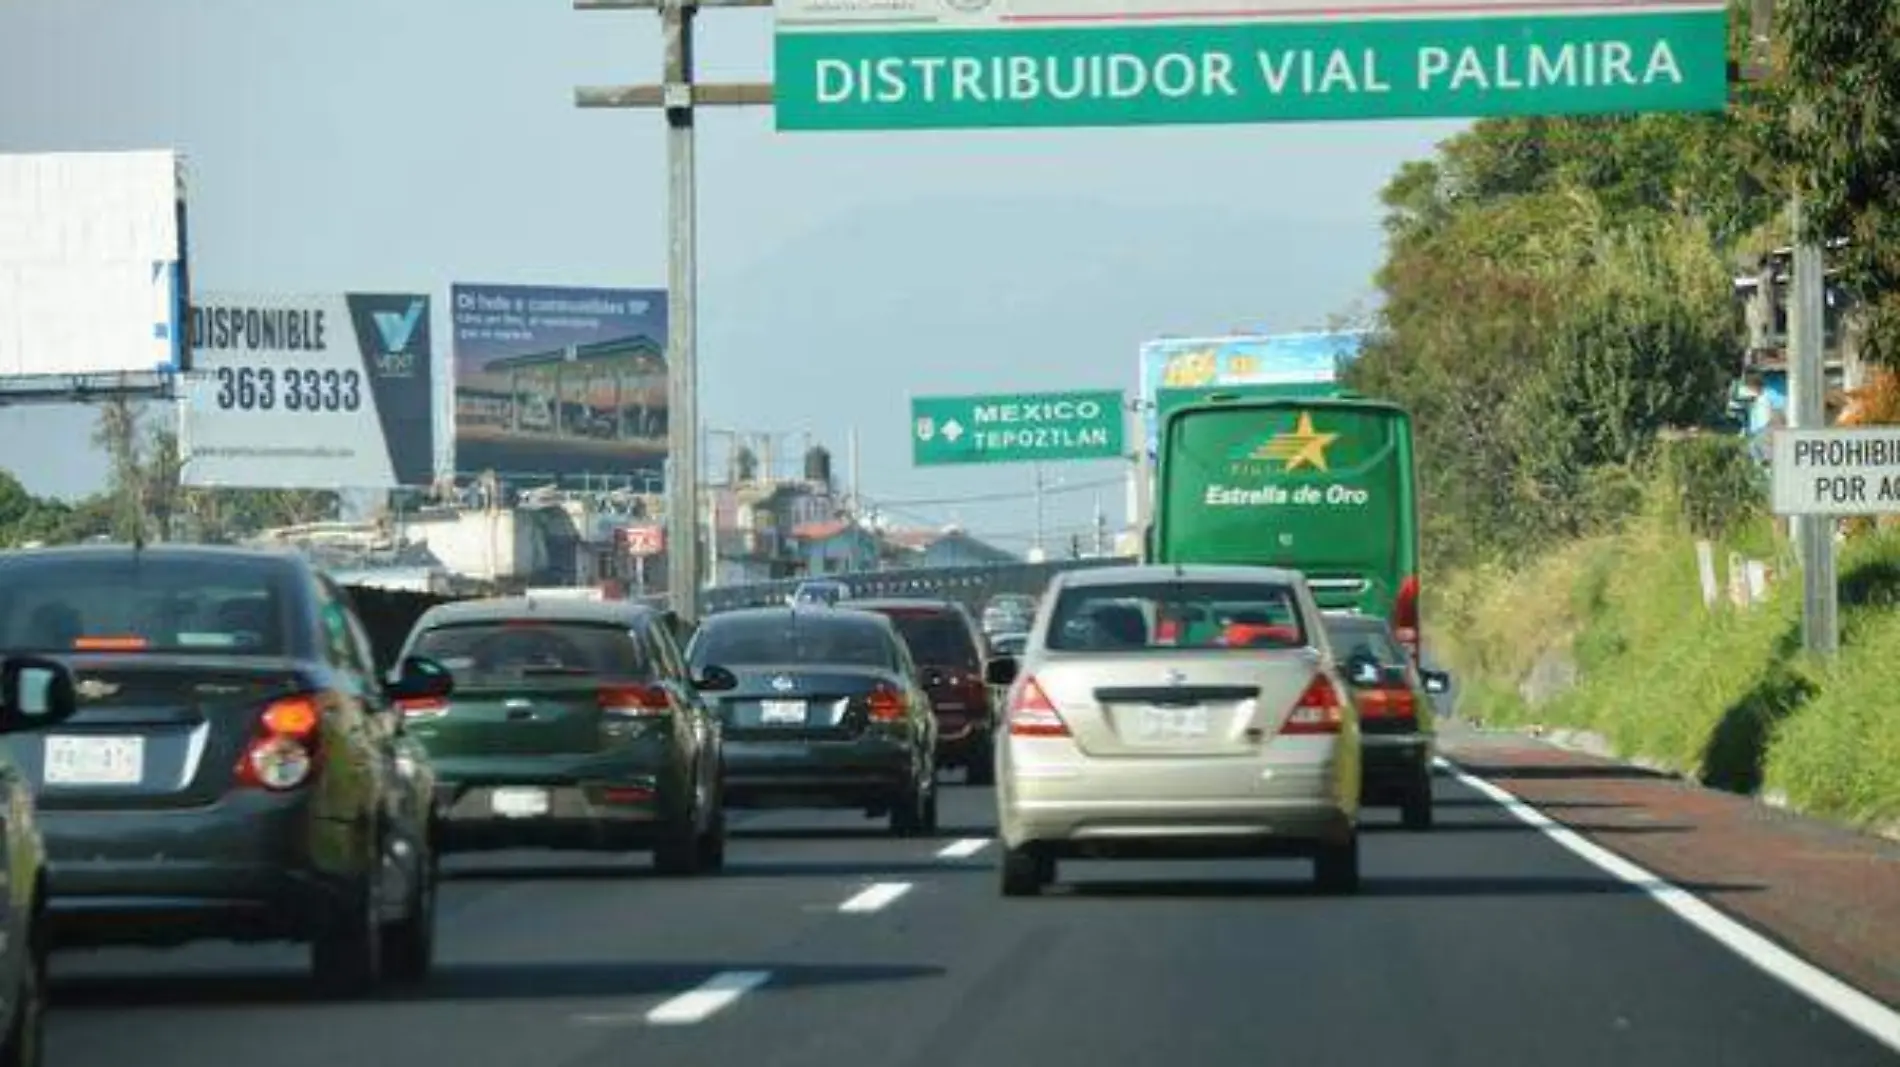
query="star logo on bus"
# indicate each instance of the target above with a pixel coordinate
(1303, 446)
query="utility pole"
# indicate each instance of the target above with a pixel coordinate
(678, 95)
(1039, 550)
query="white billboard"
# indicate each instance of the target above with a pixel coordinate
(1836, 471)
(330, 391)
(92, 264)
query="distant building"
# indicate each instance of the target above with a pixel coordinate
(949, 547)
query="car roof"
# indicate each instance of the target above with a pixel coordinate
(894, 603)
(553, 609)
(158, 553)
(786, 611)
(1169, 572)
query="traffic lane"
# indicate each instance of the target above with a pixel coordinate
(1480, 943)
(543, 958)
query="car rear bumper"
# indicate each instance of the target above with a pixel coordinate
(1164, 806)
(624, 814)
(251, 867)
(865, 772)
(1394, 764)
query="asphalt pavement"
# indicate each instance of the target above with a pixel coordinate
(828, 942)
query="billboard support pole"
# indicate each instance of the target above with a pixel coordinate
(678, 95)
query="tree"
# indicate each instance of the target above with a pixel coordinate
(1841, 63)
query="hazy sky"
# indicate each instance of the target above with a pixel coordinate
(366, 145)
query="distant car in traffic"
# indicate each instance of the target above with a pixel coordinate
(828, 711)
(1008, 612)
(1009, 644)
(1177, 712)
(1397, 734)
(821, 592)
(236, 768)
(574, 725)
(35, 694)
(951, 652)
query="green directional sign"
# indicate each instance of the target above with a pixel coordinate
(922, 64)
(1016, 427)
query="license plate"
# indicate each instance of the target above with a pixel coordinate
(780, 712)
(95, 760)
(519, 803)
(1174, 724)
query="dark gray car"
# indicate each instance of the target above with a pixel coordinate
(235, 769)
(828, 710)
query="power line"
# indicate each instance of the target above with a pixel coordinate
(998, 498)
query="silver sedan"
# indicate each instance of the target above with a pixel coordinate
(1190, 712)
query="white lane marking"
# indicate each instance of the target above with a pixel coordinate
(964, 849)
(712, 995)
(1851, 1005)
(876, 897)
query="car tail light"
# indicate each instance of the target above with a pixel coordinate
(887, 704)
(1319, 710)
(1032, 714)
(1388, 703)
(635, 701)
(282, 753)
(1405, 616)
(423, 707)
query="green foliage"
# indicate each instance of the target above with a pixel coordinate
(1720, 484)
(1842, 67)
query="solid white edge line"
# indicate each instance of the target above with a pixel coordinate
(964, 849)
(875, 897)
(1853, 1006)
(710, 996)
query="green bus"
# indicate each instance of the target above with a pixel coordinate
(1322, 484)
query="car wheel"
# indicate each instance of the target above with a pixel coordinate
(981, 770)
(1025, 871)
(409, 944)
(1417, 813)
(1336, 867)
(915, 813)
(25, 1044)
(712, 844)
(347, 957)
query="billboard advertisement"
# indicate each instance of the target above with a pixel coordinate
(330, 391)
(559, 385)
(92, 264)
(1174, 369)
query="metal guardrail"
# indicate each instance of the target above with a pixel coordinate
(973, 586)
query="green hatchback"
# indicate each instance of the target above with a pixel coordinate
(574, 725)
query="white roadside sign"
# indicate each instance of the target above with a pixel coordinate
(1837, 471)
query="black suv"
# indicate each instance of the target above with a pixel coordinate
(946, 642)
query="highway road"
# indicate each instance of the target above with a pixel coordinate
(829, 943)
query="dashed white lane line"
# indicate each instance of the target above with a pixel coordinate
(713, 995)
(964, 849)
(1851, 1005)
(875, 897)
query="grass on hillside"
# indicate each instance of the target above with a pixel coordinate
(1726, 696)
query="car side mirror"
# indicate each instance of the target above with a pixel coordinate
(35, 693)
(716, 679)
(421, 678)
(1436, 682)
(1001, 670)
(1364, 672)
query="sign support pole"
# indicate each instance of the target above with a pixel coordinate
(1807, 408)
(678, 95)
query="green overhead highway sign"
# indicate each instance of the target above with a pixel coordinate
(921, 64)
(1017, 427)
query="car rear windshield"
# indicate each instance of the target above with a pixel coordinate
(1176, 615)
(230, 605)
(1357, 638)
(793, 637)
(936, 639)
(486, 653)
